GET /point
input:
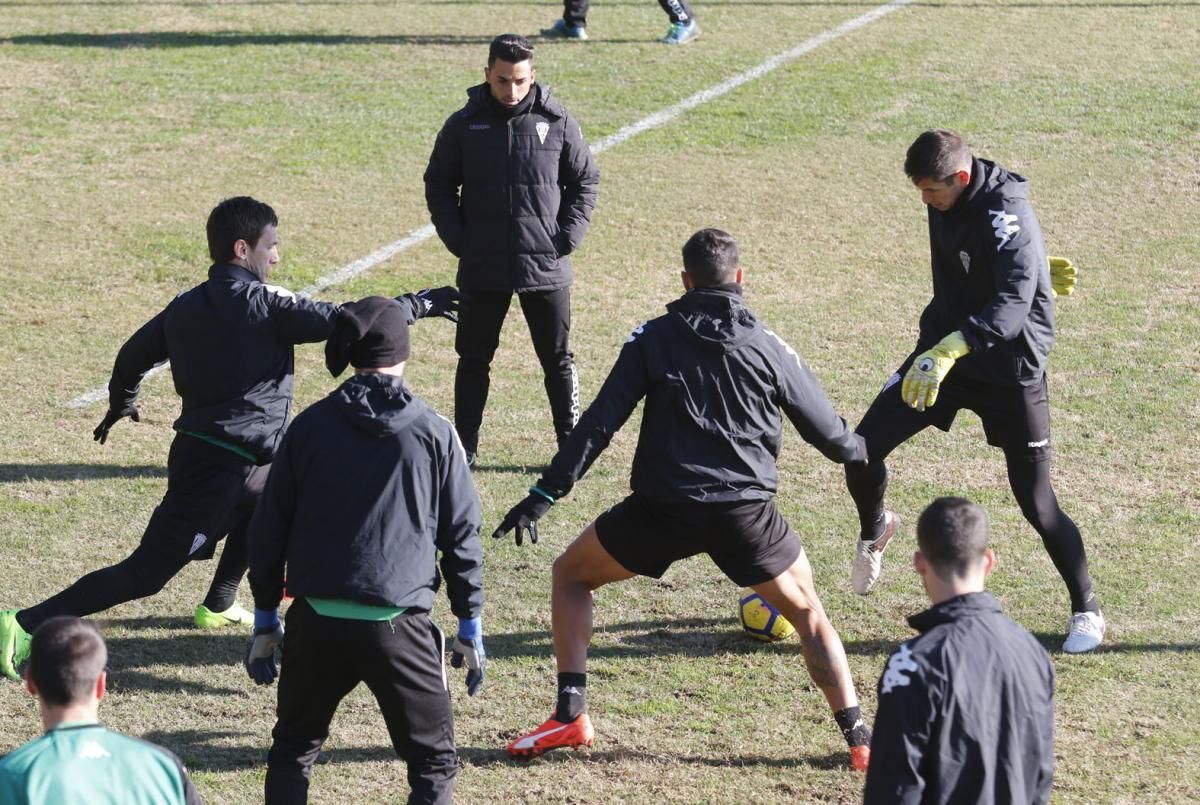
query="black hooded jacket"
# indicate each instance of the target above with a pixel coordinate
(716, 383)
(966, 712)
(991, 280)
(368, 486)
(511, 193)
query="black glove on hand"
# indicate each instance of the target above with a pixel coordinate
(440, 302)
(524, 516)
(100, 434)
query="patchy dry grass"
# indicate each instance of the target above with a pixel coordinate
(124, 122)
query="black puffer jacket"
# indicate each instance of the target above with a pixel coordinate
(369, 485)
(511, 193)
(717, 384)
(991, 280)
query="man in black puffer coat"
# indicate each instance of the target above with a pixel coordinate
(511, 186)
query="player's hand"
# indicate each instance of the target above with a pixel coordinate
(468, 649)
(260, 654)
(1063, 276)
(440, 302)
(100, 434)
(929, 369)
(524, 516)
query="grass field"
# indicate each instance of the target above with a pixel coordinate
(123, 122)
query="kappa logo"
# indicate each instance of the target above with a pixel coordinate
(1038, 443)
(1005, 225)
(901, 663)
(542, 128)
(966, 261)
(93, 751)
(197, 542)
(891, 381)
(633, 336)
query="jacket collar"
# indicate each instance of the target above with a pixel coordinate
(963, 606)
(228, 271)
(543, 102)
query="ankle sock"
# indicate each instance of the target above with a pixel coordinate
(572, 697)
(854, 729)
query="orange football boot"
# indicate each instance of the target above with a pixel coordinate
(554, 735)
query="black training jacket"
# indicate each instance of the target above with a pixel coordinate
(991, 280)
(511, 194)
(230, 342)
(368, 485)
(715, 382)
(966, 712)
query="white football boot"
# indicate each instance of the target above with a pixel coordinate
(1084, 632)
(868, 556)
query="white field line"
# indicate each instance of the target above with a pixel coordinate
(417, 236)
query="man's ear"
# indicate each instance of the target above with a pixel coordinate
(989, 562)
(29, 686)
(738, 277)
(687, 280)
(964, 177)
(920, 564)
(101, 685)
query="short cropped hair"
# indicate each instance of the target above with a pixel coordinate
(952, 533)
(511, 48)
(234, 219)
(66, 657)
(936, 155)
(710, 257)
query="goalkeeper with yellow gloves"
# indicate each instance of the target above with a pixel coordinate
(985, 337)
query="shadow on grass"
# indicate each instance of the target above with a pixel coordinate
(205, 750)
(1053, 644)
(495, 757)
(191, 39)
(16, 473)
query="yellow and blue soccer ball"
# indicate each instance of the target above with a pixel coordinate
(760, 620)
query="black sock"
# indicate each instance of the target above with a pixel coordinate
(854, 729)
(572, 697)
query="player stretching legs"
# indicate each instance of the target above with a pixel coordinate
(985, 340)
(716, 382)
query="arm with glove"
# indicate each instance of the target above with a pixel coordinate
(923, 379)
(441, 302)
(144, 350)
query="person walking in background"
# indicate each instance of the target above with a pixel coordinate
(573, 23)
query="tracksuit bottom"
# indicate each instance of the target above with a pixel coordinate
(480, 318)
(211, 493)
(575, 11)
(400, 660)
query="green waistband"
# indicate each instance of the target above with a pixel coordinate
(352, 610)
(233, 448)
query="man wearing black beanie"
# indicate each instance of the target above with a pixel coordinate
(369, 485)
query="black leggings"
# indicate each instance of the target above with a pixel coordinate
(1030, 482)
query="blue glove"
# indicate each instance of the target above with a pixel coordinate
(260, 654)
(468, 648)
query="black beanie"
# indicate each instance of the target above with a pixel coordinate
(368, 334)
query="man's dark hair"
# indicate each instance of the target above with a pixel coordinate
(511, 48)
(234, 219)
(710, 257)
(66, 657)
(936, 155)
(953, 534)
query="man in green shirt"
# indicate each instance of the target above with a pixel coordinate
(78, 760)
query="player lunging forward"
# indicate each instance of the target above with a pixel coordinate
(704, 480)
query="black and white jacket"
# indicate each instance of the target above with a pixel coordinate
(966, 712)
(991, 280)
(717, 384)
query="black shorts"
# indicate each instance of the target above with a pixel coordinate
(750, 541)
(1015, 418)
(210, 492)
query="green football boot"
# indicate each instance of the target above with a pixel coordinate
(234, 616)
(14, 644)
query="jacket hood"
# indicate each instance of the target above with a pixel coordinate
(477, 100)
(962, 606)
(715, 317)
(380, 404)
(989, 180)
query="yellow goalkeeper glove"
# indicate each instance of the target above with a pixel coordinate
(929, 369)
(1063, 275)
